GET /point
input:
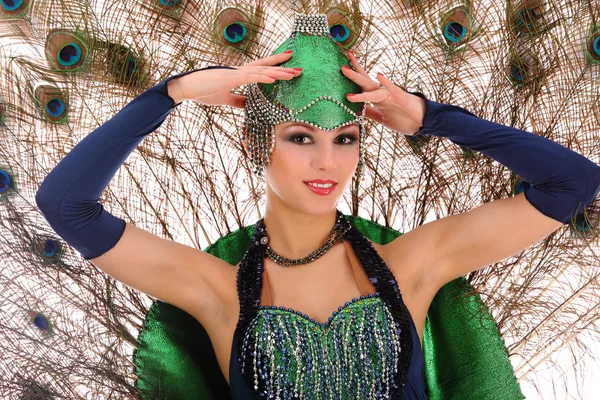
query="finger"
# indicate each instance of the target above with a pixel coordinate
(271, 60)
(365, 82)
(268, 70)
(374, 96)
(267, 77)
(264, 68)
(357, 67)
(389, 85)
(372, 113)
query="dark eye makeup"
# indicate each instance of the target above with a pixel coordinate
(343, 139)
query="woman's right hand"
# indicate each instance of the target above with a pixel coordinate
(213, 86)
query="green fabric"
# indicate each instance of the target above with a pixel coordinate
(321, 61)
(465, 356)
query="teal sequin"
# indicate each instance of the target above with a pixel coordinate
(354, 355)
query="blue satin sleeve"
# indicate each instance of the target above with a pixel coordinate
(68, 196)
(562, 181)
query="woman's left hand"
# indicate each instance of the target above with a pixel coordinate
(392, 107)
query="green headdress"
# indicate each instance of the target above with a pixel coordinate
(316, 97)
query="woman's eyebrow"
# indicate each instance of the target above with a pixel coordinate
(309, 127)
(312, 128)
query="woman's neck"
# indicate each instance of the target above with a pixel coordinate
(295, 234)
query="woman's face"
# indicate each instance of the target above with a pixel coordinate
(303, 153)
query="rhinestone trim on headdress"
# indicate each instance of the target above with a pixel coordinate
(262, 112)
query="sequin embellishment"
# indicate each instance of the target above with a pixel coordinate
(354, 354)
(362, 351)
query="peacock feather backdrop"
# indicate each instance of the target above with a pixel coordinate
(70, 331)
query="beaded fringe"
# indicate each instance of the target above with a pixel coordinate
(284, 354)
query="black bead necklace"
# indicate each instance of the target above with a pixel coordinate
(334, 236)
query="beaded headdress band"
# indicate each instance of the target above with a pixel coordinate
(316, 97)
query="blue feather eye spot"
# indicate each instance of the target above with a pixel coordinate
(526, 19)
(50, 248)
(523, 70)
(125, 65)
(169, 3)
(65, 50)
(520, 186)
(517, 74)
(235, 28)
(593, 47)
(40, 322)
(339, 32)
(235, 33)
(344, 26)
(582, 223)
(11, 5)
(53, 104)
(456, 28)
(55, 107)
(454, 32)
(46, 248)
(69, 55)
(6, 182)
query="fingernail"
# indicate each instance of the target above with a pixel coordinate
(272, 77)
(345, 66)
(287, 51)
(380, 74)
(298, 69)
(350, 52)
(350, 94)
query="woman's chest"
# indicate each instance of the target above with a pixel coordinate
(314, 296)
(323, 357)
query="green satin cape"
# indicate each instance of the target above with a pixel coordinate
(465, 356)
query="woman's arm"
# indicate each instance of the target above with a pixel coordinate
(563, 181)
(68, 196)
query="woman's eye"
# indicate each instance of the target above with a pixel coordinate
(293, 139)
(344, 139)
(350, 140)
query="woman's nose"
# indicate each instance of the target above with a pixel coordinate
(324, 158)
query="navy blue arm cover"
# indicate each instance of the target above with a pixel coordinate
(68, 196)
(563, 181)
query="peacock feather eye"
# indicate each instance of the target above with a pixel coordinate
(14, 8)
(456, 27)
(344, 28)
(526, 17)
(66, 51)
(40, 323)
(583, 225)
(234, 27)
(48, 248)
(53, 102)
(169, 4)
(417, 141)
(593, 46)
(125, 65)
(467, 152)
(7, 183)
(235, 32)
(525, 70)
(519, 185)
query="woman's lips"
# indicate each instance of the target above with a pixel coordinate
(321, 191)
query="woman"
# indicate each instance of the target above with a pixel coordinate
(373, 349)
